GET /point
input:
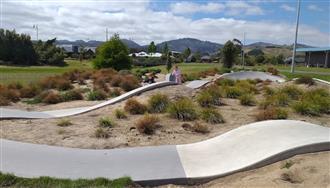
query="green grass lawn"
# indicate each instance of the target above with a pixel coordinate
(29, 74)
(8, 180)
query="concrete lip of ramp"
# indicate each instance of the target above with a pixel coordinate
(246, 147)
(243, 75)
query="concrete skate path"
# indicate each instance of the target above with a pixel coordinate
(247, 147)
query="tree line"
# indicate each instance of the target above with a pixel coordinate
(18, 49)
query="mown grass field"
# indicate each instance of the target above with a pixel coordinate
(25, 75)
(29, 74)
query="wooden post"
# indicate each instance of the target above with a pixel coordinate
(326, 59)
(309, 58)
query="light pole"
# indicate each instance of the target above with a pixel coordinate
(37, 30)
(295, 40)
(243, 58)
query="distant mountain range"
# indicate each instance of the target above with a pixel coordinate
(180, 45)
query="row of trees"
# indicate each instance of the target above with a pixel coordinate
(18, 49)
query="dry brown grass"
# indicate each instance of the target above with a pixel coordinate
(135, 107)
(147, 124)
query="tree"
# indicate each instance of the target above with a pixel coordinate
(152, 47)
(48, 53)
(186, 53)
(168, 63)
(166, 50)
(255, 52)
(113, 54)
(16, 48)
(229, 53)
(260, 59)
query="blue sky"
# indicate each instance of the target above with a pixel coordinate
(148, 20)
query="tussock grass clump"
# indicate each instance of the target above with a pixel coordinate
(120, 114)
(305, 80)
(106, 122)
(135, 107)
(72, 95)
(129, 82)
(183, 109)
(114, 92)
(272, 113)
(209, 96)
(247, 100)
(272, 70)
(29, 91)
(64, 123)
(292, 91)
(211, 116)
(55, 82)
(11, 95)
(269, 91)
(50, 97)
(232, 92)
(4, 101)
(225, 82)
(15, 85)
(147, 124)
(101, 133)
(96, 95)
(200, 128)
(247, 86)
(314, 103)
(158, 103)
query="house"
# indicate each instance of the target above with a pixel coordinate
(144, 54)
(69, 48)
(206, 59)
(316, 57)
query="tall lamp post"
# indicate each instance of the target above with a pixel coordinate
(37, 30)
(295, 40)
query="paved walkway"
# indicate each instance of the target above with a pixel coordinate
(246, 147)
(243, 75)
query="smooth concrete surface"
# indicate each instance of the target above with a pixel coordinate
(246, 147)
(243, 75)
(197, 84)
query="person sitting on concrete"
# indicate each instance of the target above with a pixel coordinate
(177, 74)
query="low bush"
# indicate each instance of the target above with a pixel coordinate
(225, 82)
(247, 100)
(183, 109)
(55, 82)
(51, 97)
(96, 95)
(272, 113)
(269, 91)
(209, 96)
(305, 80)
(115, 92)
(72, 95)
(64, 123)
(106, 122)
(129, 82)
(189, 77)
(200, 128)
(314, 103)
(232, 92)
(29, 91)
(272, 70)
(211, 116)
(15, 85)
(11, 95)
(292, 91)
(158, 103)
(147, 124)
(120, 114)
(4, 101)
(101, 133)
(135, 107)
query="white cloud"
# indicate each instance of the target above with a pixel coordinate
(241, 7)
(314, 8)
(288, 8)
(190, 8)
(137, 21)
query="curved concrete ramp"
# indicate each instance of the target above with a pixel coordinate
(13, 113)
(247, 147)
(243, 75)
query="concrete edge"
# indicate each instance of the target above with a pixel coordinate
(311, 148)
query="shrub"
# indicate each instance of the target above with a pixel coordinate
(4, 101)
(135, 107)
(101, 84)
(210, 96)
(158, 103)
(292, 91)
(72, 95)
(64, 123)
(129, 83)
(15, 85)
(51, 97)
(272, 70)
(269, 91)
(247, 100)
(200, 128)
(96, 95)
(115, 92)
(280, 99)
(211, 116)
(225, 82)
(305, 80)
(101, 133)
(312, 105)
(232, 92)
(106, 122)
(116, 80)
(29, 91)
(147, 124)
(55, 82)
(272, 113)
(183, 109)
(10, 94)
(120, 114)
(246, 86)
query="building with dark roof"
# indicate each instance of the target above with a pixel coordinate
(316, 57)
